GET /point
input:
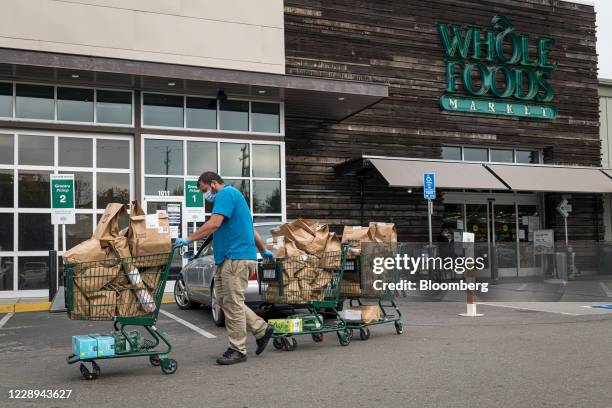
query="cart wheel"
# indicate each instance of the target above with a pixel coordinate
(155, 361)
(317, 337)
(116, 325)
(278, 343)
(289, 344)
(88, 375)
(364, 334)
(344, 338)
(399, 327)
(350, 333)
(168, 365)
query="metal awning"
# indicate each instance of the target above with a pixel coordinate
(307, 97)
(450, 174)
(544, 178)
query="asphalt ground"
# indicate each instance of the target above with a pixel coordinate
(508, 358)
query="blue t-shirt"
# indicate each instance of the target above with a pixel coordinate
(234, 239)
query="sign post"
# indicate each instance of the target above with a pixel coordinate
(565, 208)
(429, 193)
(194, 203)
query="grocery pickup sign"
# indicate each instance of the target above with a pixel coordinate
(501, 71)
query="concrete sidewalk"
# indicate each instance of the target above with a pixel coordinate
(19, 305)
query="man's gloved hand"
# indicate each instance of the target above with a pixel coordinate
(179, 242)
(266, 254)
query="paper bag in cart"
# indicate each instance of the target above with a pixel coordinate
(148, 235)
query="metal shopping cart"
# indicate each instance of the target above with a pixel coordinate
(129, 292)
(310, 282)
(358, 287)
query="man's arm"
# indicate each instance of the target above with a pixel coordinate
(208, 228)
(259, 242)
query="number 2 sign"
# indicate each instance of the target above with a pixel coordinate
(62, 199)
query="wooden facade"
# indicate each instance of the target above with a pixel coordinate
(397, 43)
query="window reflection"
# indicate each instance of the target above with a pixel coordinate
(234, 115)
(235, 160)
(6, 273)
(113, 154)
(266, 160)
(36, 150)
(164, 186)
(112, 188)
(76, 233)
(33, 186)
(75, 151)
(75, 104)
(35, 102)
(6, 232)
(114, 107)
(201, 157)
(242, 186)
(163, 110)
(163, 157)
(7, 150)
(266, 197)
(265, 117)
(201, 113)
(33, 272)
(35, 232)
(6, 100)
(7, 179)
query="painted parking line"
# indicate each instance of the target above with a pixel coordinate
(606, 289)
(533, 309)
(5, 319)
(522, 287)
(186, 323)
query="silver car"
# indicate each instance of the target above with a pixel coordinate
(195, 284)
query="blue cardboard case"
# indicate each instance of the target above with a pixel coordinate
(106, 345)
(85, 347)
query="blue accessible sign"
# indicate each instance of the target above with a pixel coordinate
(429, 186)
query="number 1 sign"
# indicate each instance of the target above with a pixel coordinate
(194, 201)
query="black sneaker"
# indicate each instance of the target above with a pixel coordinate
(264, 340)
(231, 356)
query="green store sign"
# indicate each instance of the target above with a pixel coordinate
(496, 68)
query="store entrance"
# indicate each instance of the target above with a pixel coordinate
(502, 225)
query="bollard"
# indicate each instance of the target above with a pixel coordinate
(470, 277)
(52, 274)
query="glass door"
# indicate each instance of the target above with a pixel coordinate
(175, 219)
(477, 222)
(504, 239)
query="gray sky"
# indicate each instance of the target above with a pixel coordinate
(604, 34)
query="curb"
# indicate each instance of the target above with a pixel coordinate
(23, 307)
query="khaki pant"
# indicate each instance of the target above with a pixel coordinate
(231, 280)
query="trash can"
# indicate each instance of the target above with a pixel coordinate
(561, 265)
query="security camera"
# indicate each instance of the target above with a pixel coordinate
(221, 95)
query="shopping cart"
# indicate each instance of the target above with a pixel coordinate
(310, 282)
(127, 291)
(358, 287)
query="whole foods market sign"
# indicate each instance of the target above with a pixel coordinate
(503, 72)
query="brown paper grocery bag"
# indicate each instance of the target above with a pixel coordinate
(128, 304)
(148, 241)
(322, 280)
(332, 254)
(87, 251)
(150, 277)
(318, 242)
(108, 226)
(383, 231)
(94, 276)
(102, 304)
(369, 313)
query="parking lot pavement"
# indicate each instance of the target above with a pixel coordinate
(508, 358)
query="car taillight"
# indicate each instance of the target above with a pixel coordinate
(253, 276)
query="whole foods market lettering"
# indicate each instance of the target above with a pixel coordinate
(504, 72)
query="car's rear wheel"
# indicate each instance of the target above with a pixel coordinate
(181, 297)
(215, 308)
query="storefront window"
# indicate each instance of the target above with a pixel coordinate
(235, 160)
(201, 113)
(7, 178)
(502, 155)
(201, 157)
(234, 115)
(75, 104)
(164, 157)
(266, 197)
(35, 232)
(36, 150)
(76, 233)
(266, 160)
(33, 272)
(260, 219)
(527, 156)
(265, 117)
(451, 153)
(6, 232)
(112, 188)
(242, 186)
(35, 102)
(163, 110)
(163, 186)
(475, 154)
(6, 273)
(113, 154)
(83, 189)
(114, 107)
(7, 150)
(6, 100)
(75, 152)
(33, 186)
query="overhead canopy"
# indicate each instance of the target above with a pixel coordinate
(452, 175)
(408, 172)
(553, 178)
(308, 97)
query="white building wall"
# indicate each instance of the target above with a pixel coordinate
(233, 34)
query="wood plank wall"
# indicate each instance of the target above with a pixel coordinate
(396, 42)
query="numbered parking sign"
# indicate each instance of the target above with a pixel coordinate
(194, 201)
(62, 199)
